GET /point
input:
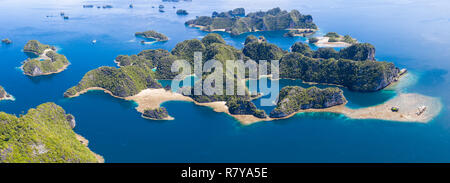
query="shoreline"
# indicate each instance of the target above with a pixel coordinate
(406, 102)
(45, 57)
(85, 142)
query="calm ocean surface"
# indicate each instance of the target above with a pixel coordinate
(412, 34)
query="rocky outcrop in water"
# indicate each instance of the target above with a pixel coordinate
(158, 113)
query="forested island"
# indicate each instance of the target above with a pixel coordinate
(136, 78)
(4, 95)
(43, 135)
(237, 22)
(48, 61)
(151, 34)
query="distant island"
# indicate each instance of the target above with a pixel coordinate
(6, 41)
(48, 60)
(151, 34)
(182, 12)
(43, 135)
(236, 22)
(332, 39)
(353, 67)
(4, 95)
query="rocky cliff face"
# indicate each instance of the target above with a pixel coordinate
(294, 98)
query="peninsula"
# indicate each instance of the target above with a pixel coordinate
(48, 61)
(236, 22)
(43, 135)
(4, 95)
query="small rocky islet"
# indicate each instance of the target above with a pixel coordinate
(47, 62)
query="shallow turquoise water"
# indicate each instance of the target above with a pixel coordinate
(116, 130)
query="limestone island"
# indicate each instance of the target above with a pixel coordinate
(236, 22)
(151, 34)
(4, 95)
(48, 60)
(332, 39)
(43, 135)
(354, 68)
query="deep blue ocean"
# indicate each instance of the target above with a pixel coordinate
(414, 34)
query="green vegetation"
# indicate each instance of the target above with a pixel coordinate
(261, 50)
(43, 135)
(250, 39)
(151, 34)
(55, 63)
(212, 38)
(294, 98)
(122, 82)
(34, 46)
(299, 32)
(185, 50)
(349, 39)
(332, 35)
(335, 37)
(236, 23)
(159, 58)
(394, 109)
(359, 51)
(6, 41)
(326, 53)
(158, 113)
(302, 48)
(356, 75)
(237, 12)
